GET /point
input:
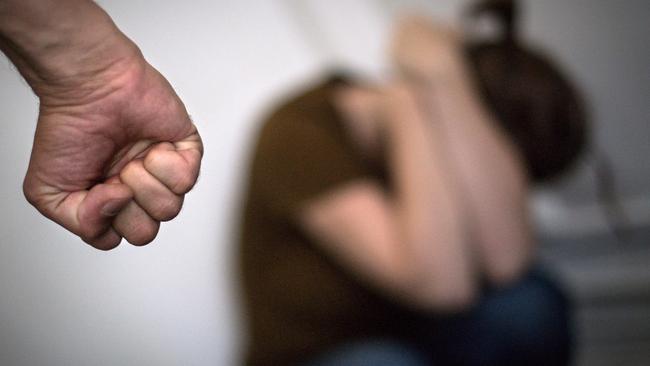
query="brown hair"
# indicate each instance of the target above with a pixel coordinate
(535, 104)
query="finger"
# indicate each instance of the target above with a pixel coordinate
(154, 197)
(177, 169)
(95, 211)
(135, 225)
(106, 241)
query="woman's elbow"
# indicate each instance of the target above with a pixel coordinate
(506, 268)
(507, 272)
(454, 302)
(445, 297)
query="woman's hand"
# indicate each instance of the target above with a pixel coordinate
(423, 50)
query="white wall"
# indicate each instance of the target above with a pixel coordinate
(63, 303)
(172, 302)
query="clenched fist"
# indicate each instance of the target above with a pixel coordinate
(117, 162)
(115, 150)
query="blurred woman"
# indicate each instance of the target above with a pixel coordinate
(387, 224)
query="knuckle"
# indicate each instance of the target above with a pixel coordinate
(167, 208)
(183, 184)
(143, 234)
(89, 233)
(102, 245)
(155, 158)
(130, 171)
(141, 238)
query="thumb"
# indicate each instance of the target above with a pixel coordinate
(96, 211)
(90, 213)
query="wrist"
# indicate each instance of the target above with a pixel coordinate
(65, 48)
(401, 108)
(448, 68)
(89, 72)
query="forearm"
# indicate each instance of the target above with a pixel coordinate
(427, 210)
(59, 45)
(491, 175)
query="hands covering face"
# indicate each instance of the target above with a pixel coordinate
(424, 50)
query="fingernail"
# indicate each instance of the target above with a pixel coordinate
(112, 208)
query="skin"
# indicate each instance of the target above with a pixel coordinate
(488, 167)
(410, 242)
(457, 213)
(115, 150)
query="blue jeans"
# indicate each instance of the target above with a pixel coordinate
(375, 352)
(525, 324)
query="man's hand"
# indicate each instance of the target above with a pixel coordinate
(115, 150)
(116, 165)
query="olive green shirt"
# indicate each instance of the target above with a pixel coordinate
(298, 302)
